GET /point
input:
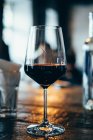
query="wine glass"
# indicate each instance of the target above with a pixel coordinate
(45, 62)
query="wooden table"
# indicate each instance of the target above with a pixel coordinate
(64, 108)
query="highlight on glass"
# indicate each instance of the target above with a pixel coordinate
(45, 62)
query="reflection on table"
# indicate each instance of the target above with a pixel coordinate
(64, 108)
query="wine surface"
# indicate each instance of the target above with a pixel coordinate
(45, 74)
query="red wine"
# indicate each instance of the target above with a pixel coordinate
(45, 74)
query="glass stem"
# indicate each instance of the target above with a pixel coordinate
(45, 121)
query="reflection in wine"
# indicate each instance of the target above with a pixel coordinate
(45, 74)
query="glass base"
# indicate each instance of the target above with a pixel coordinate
(45, 130)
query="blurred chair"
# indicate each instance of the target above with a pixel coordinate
(74, 75)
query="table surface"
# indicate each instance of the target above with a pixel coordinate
(64, 108)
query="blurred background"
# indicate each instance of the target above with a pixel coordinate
(16, 17)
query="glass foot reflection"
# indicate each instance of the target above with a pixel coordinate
(45, 131)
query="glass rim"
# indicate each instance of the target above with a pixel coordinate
(45, 26)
